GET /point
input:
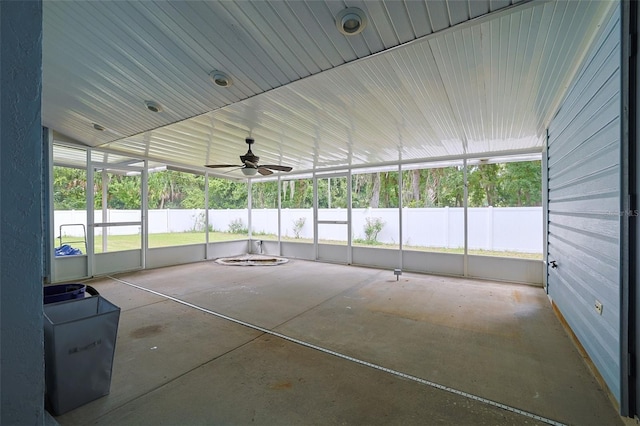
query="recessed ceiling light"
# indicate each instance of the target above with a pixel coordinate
(220, 79)
(351, 21)
(98, 127)
(153, 106)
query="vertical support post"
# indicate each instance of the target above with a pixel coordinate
(91, 222)
(279, 216)
(400, 215)
(349, 232)
(249, 204)
(105, 217)
(144, 231)
(315, 215)
(466, 218)
(206, 215)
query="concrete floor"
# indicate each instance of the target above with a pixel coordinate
(482, 340)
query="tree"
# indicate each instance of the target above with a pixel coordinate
(361, 190)
(522, 184)
(432, 187)
(389, 189)
(227, 194)
(264, 195)
(500, 185)
(505, 185)
(415, 186)
(374, 200)
(123, 192)
(451, 189)
(332, 192)
(297, 193)
(69, 188)
(483, 185)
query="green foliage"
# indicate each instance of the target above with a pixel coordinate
(297, 194)
(298, 224)
(175, 190)
(483, 185)
(375, 190)
(69, 188)
(522, 184)
(438, 187)
(237, 226)
(264, 195)
(505, 185)
(332, 193)
(499, 185)
(372, 228)
(227, 194)
(123, 192)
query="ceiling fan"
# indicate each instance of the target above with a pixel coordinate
(250, 164)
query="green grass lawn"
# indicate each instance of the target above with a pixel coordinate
(131, 242)
(519, 255)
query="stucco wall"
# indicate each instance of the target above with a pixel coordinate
(21, 337)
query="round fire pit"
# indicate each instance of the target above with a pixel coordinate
(252, 260)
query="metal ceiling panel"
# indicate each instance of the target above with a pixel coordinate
(411, 86)
(102, 60)
(373, 111)
(438, 14)
(504, 76)
(476, 89)
(69, 157)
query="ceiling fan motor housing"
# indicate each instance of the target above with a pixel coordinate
(249, 155)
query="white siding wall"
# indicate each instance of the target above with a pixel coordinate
(584, 203)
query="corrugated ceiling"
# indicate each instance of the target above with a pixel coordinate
(412, 86)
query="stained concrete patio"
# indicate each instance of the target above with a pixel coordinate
(370, 350)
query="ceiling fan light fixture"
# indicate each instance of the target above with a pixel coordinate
(153, 106)
(220, 79)
(250, 164)
(351, 21)
(249, 171)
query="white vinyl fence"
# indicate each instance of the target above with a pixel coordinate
(490, 228)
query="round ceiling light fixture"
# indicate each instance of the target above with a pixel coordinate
(220, 78)
(153, 106)
(249, 171)
(351, 21)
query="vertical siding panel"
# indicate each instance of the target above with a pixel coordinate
(584, 201)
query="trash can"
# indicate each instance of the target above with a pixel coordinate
(60, 292)
(80, 339)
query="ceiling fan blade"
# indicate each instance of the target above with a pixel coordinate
(250, 164)
(219, 166)
(278, 168)
(264, 172)
(233, 170)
